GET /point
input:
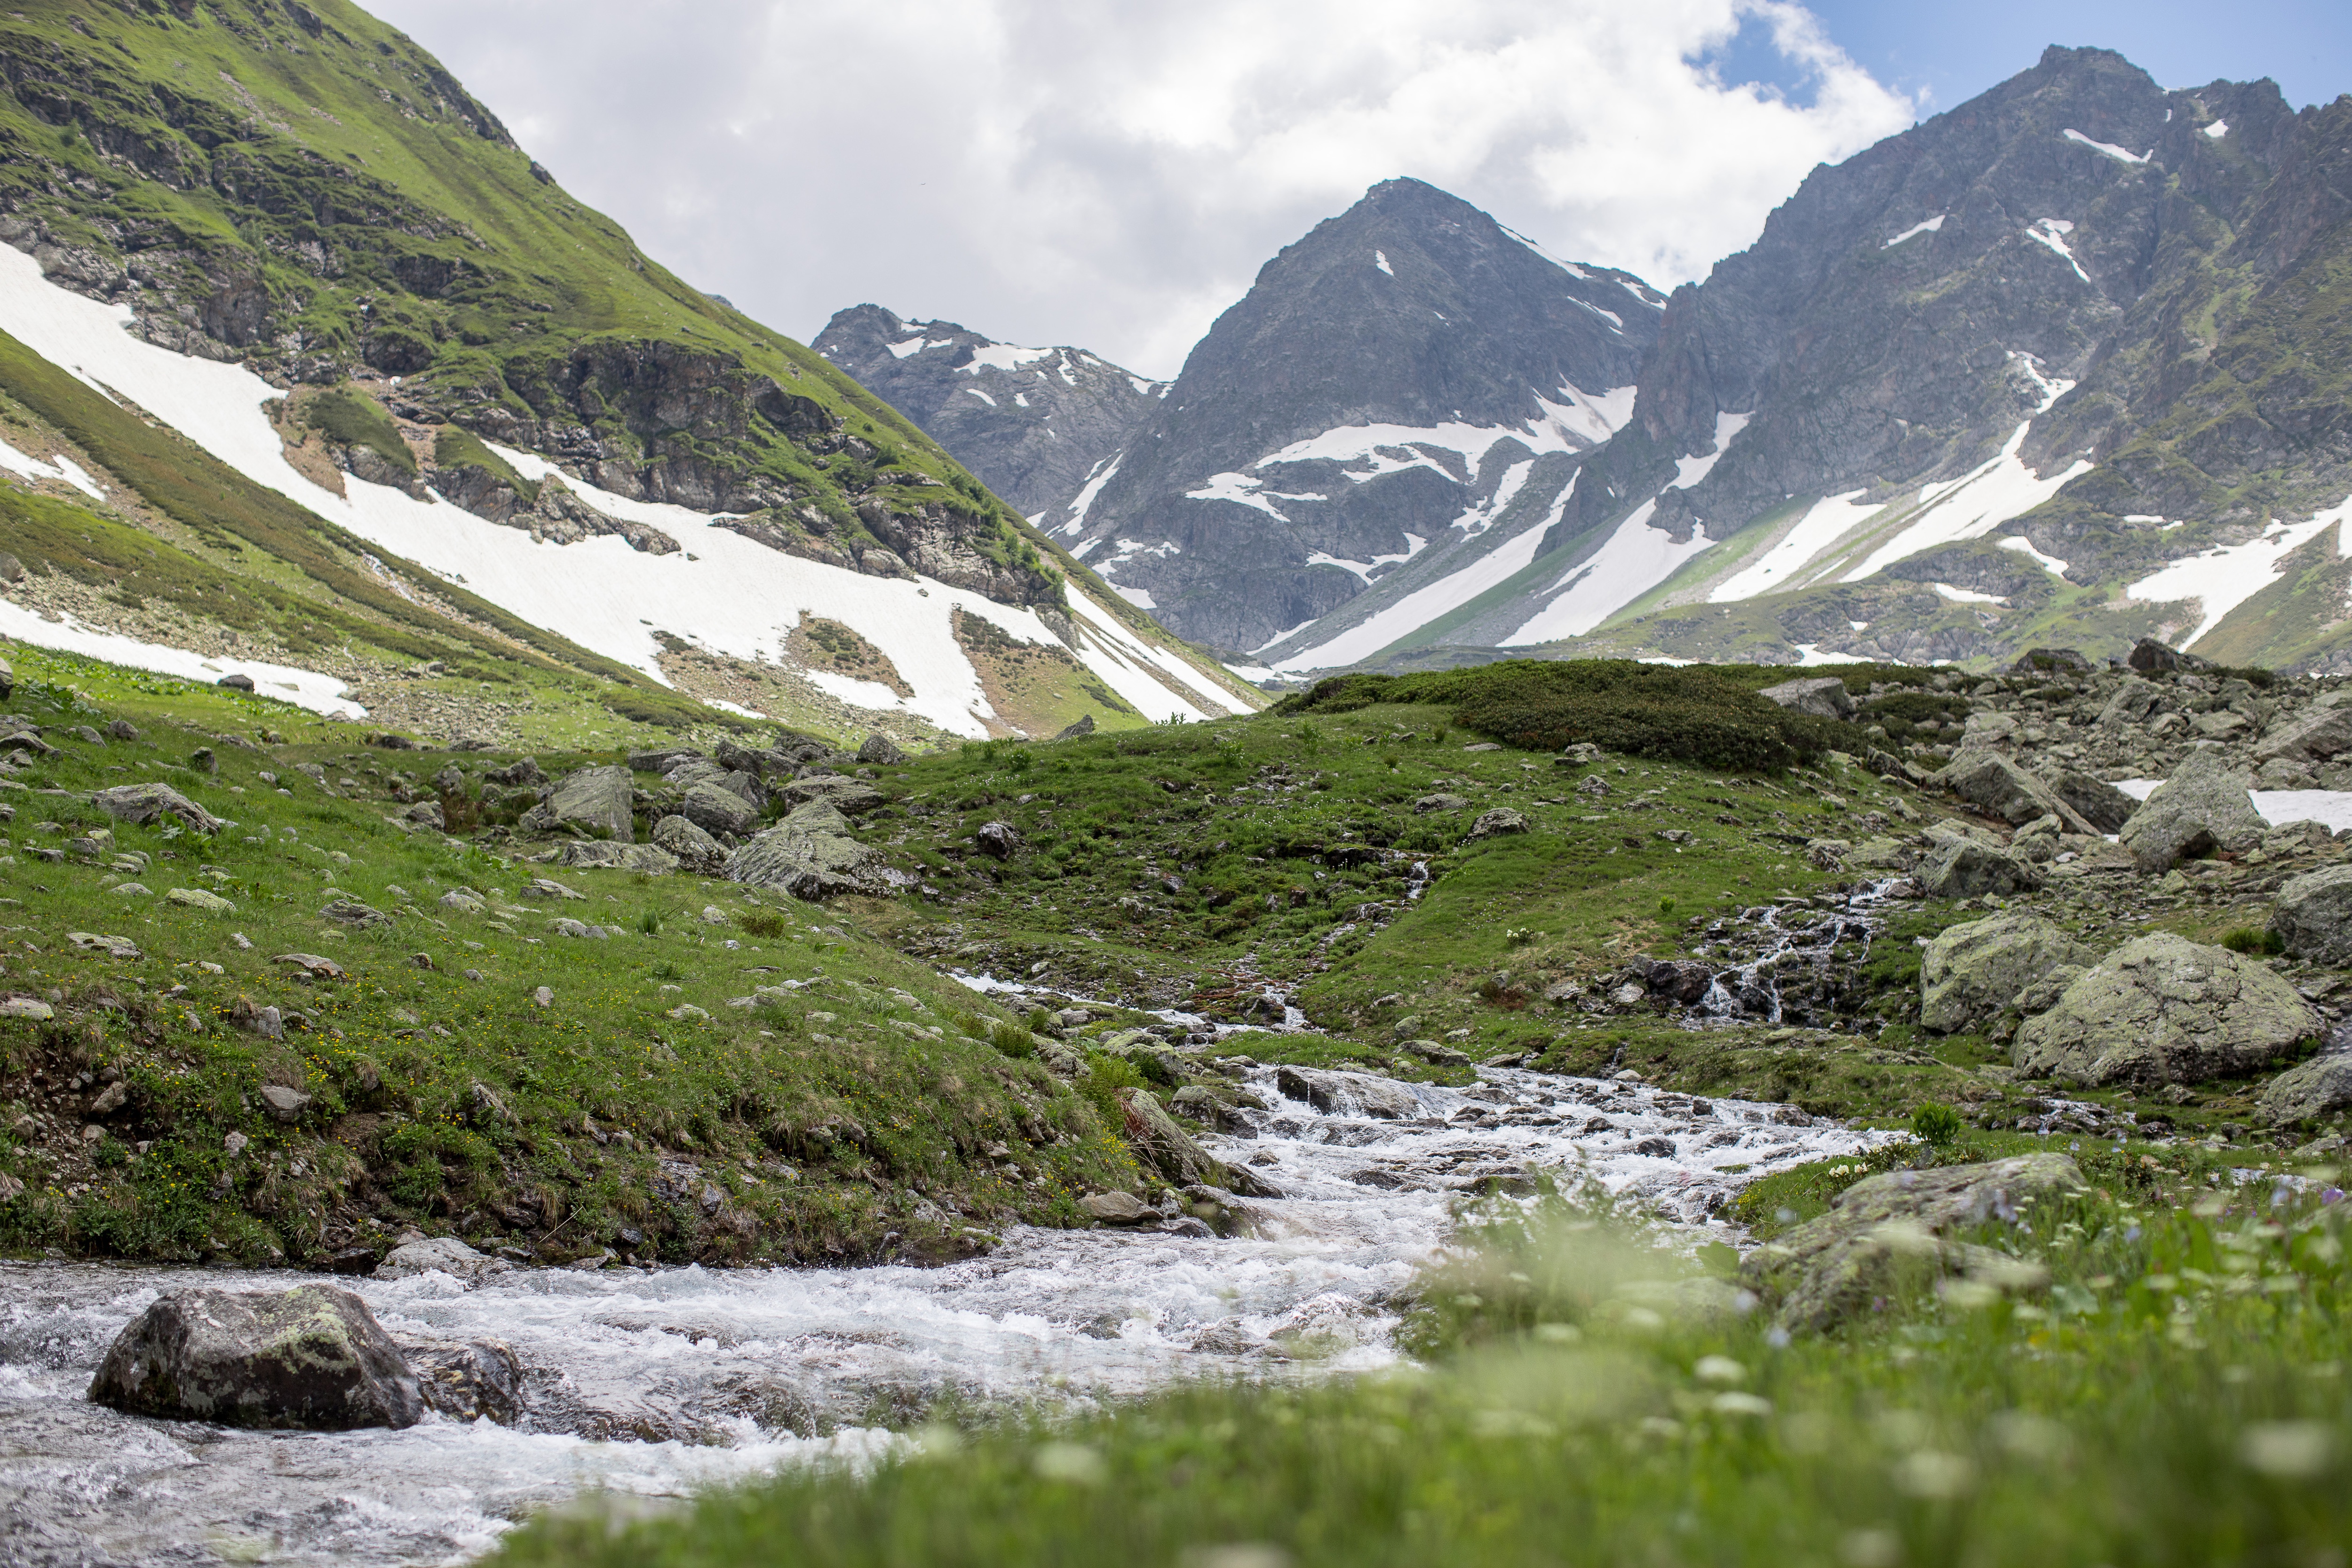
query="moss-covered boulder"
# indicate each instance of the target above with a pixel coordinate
(1971, 972)
(2162, 1009)
(2313, 915)
(311, 1358)
(2204, 807)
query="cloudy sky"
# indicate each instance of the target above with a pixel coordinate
(1112, 173)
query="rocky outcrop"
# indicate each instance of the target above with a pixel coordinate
(1967, 868)
(1971, 974)
(146, 803)
(809, 855)
(592, 800)
(1823, 697)
(2162, 1009)
(1172, 1153)
(1831, 1268)
(696, 850)
(717, 809)
(1987, 779)
(2204, 807)
(310, 1358)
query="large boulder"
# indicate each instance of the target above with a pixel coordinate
(1830, 1268)
(2052, 661)
(1965, 868)
(696, 850)
(2133, 702)
(1158, 1142)
(440, 1255)
(881, 751)
(2095, 800)
(2311, 737)
(743, 782)
(594, 799)
(2162, 1009)
(849, 796)
(714, 808)
(2314, 916)
(2320, 1087)
(2201, 808)
(311, 1358)
(809, 855)
(1823, 697)
(2152, 657)
(145, 803)
(1990, 781)
(1971, 972)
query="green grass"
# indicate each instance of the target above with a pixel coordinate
(451, 1100)
(2175, 1395)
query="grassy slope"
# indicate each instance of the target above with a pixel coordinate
(393, 1054)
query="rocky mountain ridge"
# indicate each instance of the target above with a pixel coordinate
(2050, 367)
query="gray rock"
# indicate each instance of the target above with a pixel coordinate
(2162, 1009)
(312, 1358)
(2096, 801)
(2320, 1087)
(445, 1254)
(549, 889)
(1439, 801)
(998, 841)
(1116, 1208)
(2133, 702)
(1971, 972)
(1500, 820)
(2201, 808)
(2314, 916)
(465, 903)
(881, 751)
(1349, 1094)
(1831, 1268)
(351, 912)
(145, 803)
(427, 814)
(468, 1382)
(696, 850)
(198, 899)
(2000, 786)
(595, 799)
(808, 855)
(1162, 1145)
(235, 681)
(849, 796)
(282, 1103)
(2152, 657)
(2316, 736)
(1964, 869)
(1823, 697)
(607, 854)
(716, 809)
(2052, 661)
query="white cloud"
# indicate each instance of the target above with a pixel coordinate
(1113, 176)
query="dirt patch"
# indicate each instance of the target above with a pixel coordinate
(819, 644)
(1036, 688)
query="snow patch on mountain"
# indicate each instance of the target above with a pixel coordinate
(2222, 578)
(303, 687)
(2121, 154)
(1688, 471)
(1824, 523)
(1636, 558)
(722, 592)
(1917, 229)
(62, 468)
(1972, 505)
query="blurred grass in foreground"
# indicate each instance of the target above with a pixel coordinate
(2175, 1395)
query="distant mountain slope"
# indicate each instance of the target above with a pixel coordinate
(1036, 423)
(349, 286)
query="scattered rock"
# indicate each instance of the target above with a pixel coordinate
(809, 855)
(849, 796)
(1349, 1094)
(121, 947)
(607, 854)
(542, 997)
(1084, 726)
(2314, 916)
(998, 841)
(1161, 1144)
(2316, 737)
(1971, 972)
(445, 1254)
(1500, 820)
(716, 809)
(1581, 754)
(235, 681)
(284, 1104)
(881, 751)
(2162, 1009)
(1987, 779)
(1830, 1268)
(145, 803)
(2096, 801)
(312, 1358)
(312, 965)
(2320, 1087)
(548, 889)
(26, 1007)
(351, 912)
(1823, 697)
(2204, 807)
(197, 899)
(1439, 801)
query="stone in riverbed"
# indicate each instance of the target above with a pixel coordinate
(1349, 1094)
(312, 1358)
(445, 1254)
(1116, 1208)
(1159, 1143)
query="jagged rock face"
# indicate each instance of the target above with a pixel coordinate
(1412, 310)
(1035, 425)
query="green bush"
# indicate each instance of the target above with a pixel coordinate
(1696, 714)
(1937, 1125)
(1106, 1075)
(2253, 940)
(762, 922)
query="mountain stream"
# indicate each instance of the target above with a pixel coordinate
(646, 1385)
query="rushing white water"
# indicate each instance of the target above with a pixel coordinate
(655, 1384)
